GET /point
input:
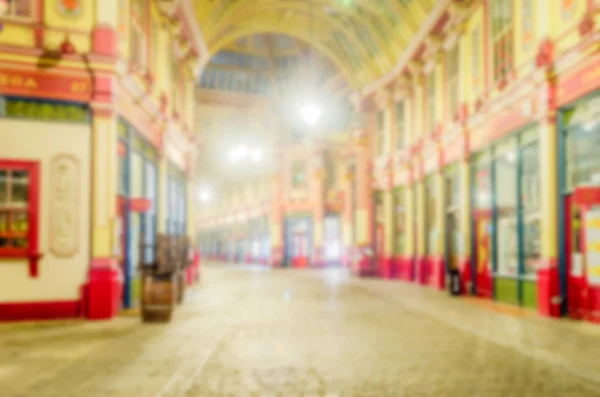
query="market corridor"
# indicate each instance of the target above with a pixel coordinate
(252, 331)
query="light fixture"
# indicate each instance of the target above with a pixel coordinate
(204, 195)
(311, 113)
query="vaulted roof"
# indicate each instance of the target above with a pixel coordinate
(363, 38)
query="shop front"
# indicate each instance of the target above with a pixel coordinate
(507, 219)
(333, 239)
(298, 241)
(137, 208)
(45, 205)
(579, 140)
(453, 233)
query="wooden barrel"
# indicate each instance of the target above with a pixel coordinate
(158, 298)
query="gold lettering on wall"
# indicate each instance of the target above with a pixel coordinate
(64, 205)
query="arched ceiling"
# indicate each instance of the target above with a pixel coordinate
(362, 38)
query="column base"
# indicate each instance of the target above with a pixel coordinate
(104, 290)
(276, 257)
(404, 268)
(466, 279)
(548, 289)
(437, 272)
(319, 258)
(385, 266)
(421, 272)
(363, 263)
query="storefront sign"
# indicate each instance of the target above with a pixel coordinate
(140, 205)
(44, 85)
(579, 83)
(44, 110)
(592, 238)
(506, 122)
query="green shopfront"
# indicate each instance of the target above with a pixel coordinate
(506, 218)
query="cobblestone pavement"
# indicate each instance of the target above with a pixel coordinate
(255, 332)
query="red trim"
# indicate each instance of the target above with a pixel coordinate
(579, 82)
(45, 85)
(22, 311)
(31, 253)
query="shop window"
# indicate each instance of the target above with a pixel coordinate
(380, 133)
(531, 203)
(19, 9)
(400, 125)
(453, 80)
(137, 34)
(502, 38)
(582, 140)
(430, 103)
(506, 209)
(19, 189)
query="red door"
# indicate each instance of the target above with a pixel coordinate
(483, 276)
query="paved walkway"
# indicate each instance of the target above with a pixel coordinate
(291, 333)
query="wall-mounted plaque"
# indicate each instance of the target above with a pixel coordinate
(64, 205)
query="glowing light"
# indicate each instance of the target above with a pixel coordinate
(257, 156)
(311, 114)
(204, 195)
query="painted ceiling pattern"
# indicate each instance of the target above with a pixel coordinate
(362, 38)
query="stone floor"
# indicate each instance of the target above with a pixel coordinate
(291, 333)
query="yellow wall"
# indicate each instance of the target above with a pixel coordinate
(59, 278)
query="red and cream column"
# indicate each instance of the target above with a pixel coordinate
(103, 291)
(318, 192)
(364, 263)
(276, 221)
(389, 224)
(348, 217)
(549, 301)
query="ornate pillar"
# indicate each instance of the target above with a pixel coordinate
(389, 229)
(365, 221)
(318, 194)
(549, 291)
(103, 290)
(348, 217)
(276, 221)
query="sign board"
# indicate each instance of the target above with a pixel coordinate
(592, 249)
(140, 205)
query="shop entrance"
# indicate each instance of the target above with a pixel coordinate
(298, 241)
(582, 209)
(333, 240)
